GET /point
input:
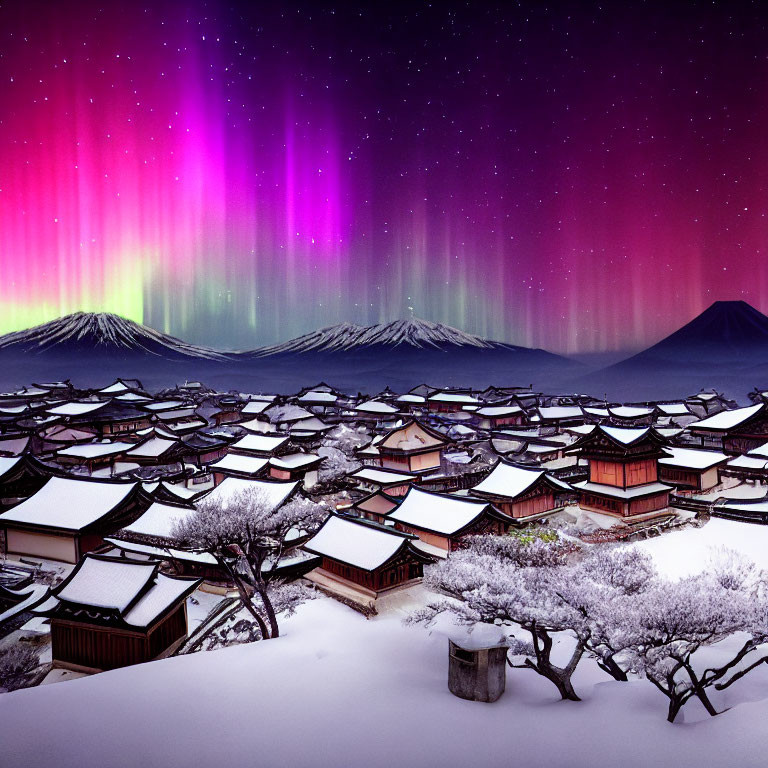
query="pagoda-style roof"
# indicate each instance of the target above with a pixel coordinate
(509, 481)
(412, 437)
(113, 592)
(442, 513)
(362, 544)
(619, 442)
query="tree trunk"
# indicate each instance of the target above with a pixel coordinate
(609, 665)
(674, 707)
(246, 598)
(559, 676)
(261, 588)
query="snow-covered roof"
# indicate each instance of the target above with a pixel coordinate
(133, 588)
(69, 504)
(362, 546)
(436, 512)
(761, 450)
(233, 462)
(14, 445)
(181, 491)
(152, 448)
(293, 460)
(674, 409)
(625, 435)
(162, 553)
(95, 450)
(75, 409)
(133, 397)
(411, 436)
(726, 420)
(414, 399)
(312, 424)
(602, 412)
(382, 476)
(622, 493)
(104, 583)
(690, 458)
(167, 405)
(630, 411)
(255, 407)
(376, 406)
(748, 462)
(498, 410)
(510, 481)
(560, 412)
(275, 493)
(113, 389)
(260, 443)
(318, 397)
(454, 397)
(159, 520)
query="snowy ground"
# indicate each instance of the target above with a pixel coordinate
(339, 690)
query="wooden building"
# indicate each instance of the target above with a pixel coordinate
(623, 471)
(691, 469)
(735, 431)
(112, 613)
(412, 447)
(451, 402)
(521, 492)
(296, 466)
(441, 520)
(371, 479)
(498, 416)
(68, 517)
(362, 560)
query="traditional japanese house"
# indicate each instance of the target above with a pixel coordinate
(496, 416)
(112, 612)
(521, 492)
(254, 408)
(560, 415)
(121, 387)
(451, 402)
(691, 469)
(238, 465)
(156, 449)
(376, 506)
(375, 411)
(370, 479)
(181, 421)
(735, 431)
(361, 561)
(93, 457)
(441, 520)
(631, 415)
(229, 411)
(296, 466)
(265, 446)
(112, 419)
(68, 517)
(201, 449)
(623, 471)
(413, 447)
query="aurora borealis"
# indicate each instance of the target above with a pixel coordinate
(569, 176)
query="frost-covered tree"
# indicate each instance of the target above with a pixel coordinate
(247, 535)
(337, 464)
(671, 622)
(512, 581)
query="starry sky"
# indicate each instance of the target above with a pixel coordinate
(581, 177)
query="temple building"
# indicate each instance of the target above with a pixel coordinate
(361, 560)
(734, 432)
(112, 612)
(412, 447)
(691, 469)
(521, 492)
(623, 471)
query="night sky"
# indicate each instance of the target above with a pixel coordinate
(578, 177)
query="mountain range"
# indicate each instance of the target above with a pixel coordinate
(726, 346)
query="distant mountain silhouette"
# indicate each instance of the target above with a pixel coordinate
(94, 348)
(104, 334)
(732, 330)
(726, 346)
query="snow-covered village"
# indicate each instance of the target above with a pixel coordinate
(383, 385)
(566, 558)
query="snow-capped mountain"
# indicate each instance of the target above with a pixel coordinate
(102, 332)
(412, 332)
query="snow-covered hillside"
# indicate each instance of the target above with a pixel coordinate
(102, 331)
(340, 690)
(412, 332)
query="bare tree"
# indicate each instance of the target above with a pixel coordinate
(247, 535)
